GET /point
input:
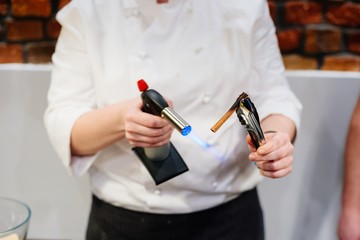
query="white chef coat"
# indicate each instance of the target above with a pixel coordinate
(201, 54)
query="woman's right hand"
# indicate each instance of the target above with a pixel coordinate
(144, 129)
(97, 129)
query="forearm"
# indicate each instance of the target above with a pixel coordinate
(98, 129)
(279, 123)
(351, 191)
(349, 221)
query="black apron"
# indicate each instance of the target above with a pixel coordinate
(240, 218)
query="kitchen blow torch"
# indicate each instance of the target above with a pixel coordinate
(163, 163)
(248, 117)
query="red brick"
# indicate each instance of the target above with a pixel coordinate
(297, 62)
(303, 12)
(289, 39)
(341, 63)
(323, 40)
(22, 30)
(39, 52)
(354, 42)
(3, 7)
(11, 53)
(272, 9)
(62, 3)
(53, 29)
(347, 14)
(36, 8)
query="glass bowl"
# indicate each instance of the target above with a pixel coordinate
(14, 219)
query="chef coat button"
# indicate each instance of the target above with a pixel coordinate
(142, 55)
(157, 192)
(214, 185)
(188, 9)
(198, 50)
(135, 13)
(206, 99)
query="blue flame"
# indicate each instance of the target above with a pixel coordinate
(206, 146)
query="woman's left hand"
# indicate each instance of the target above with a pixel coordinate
(275, 157)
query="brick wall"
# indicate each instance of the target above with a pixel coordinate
(323, 34)
(28, 30)
(318, 34)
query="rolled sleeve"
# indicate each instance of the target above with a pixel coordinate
(71, 91)
(59, 123)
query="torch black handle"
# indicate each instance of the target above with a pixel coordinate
(153, 102)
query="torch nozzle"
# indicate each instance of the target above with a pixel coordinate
(180, 124)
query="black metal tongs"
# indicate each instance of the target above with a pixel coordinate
(248, 116)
